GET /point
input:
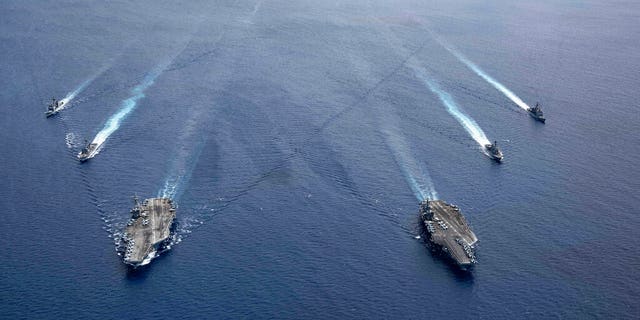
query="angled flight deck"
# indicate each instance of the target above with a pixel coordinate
(148, 230)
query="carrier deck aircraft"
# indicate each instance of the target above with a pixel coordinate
(448, 231)
(148, 231)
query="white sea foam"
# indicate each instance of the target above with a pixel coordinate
(467, 122)
(127, 106)
(71, 95)
(475, 68)
(180, 172)
(415, 173)
(71, 140)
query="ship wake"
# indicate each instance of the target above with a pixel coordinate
(127, 106)
(71, 95)
(192, 142)
(415, 173)
(137, 93)
(467, 122)
(477, 70)
(179, 174)
(182, 167)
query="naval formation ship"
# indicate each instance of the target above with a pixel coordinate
(148, 231)
(55, 106)
(493, 151)
(88, 152)
(536, 113)
(449, 232)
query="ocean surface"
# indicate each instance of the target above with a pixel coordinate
(297, 138)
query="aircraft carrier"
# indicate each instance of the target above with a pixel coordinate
(148, 231)
(448, 231)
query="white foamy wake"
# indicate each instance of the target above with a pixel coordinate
(180, 172)
(467, 122)
(127, 106)
(415, 173)
(71, 95)
(71, 140)
(475, 68)
(75, 92)
(192, 143)
(137, 93)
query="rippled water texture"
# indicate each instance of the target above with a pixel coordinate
(297, 137)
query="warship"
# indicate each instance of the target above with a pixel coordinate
(536, 113)
(88, 152)
(148, 231)
(55, 106)
(493, 151)
(448, 231)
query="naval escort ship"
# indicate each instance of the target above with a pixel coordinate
(449, 232)
(88, 152)
(536, 113)
(55, 106)
(493, 151)
(148, 231)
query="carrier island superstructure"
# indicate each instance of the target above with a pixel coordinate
(448, 231)
(148, 231)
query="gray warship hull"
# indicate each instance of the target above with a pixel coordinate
(55, 110)
(536, 113)
(537, 117)
(88, 152)
(492, 151)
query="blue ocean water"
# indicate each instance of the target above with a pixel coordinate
(297, 137)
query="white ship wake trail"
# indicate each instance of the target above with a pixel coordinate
(75, 92)
(114, 220)
(180, 171)
(482, 97)
(183, 166)
(416, 174)
(137, 93)
(467, 122)
(71, 139)
(127, 106)
(476, 69)
(71, 95)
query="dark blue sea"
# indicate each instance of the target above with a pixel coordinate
(297, 138)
